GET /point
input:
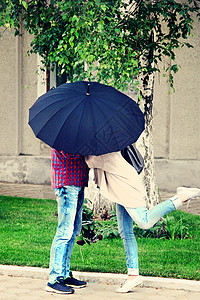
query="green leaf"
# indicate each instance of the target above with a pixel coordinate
(104, 7)
(25, 5)
(71, 41)
(75, 18)
(70, 34)
(101, 25)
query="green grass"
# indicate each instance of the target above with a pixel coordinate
(27, 228)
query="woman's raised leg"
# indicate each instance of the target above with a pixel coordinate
(146, 218)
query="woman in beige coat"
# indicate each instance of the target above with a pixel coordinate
(119, 182)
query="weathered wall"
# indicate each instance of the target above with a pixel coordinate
(9, 94)
(25, 169)
(176, 121)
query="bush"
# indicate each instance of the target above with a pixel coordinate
(172, 226)
(88, 232)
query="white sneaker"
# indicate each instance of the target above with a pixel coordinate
(190, 192)
(129, 284)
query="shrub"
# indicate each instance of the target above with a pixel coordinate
(169, 227)
(88, 232)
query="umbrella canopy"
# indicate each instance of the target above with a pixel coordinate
(86, 118)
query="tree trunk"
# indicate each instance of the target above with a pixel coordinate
(146, 91)
(145, 142)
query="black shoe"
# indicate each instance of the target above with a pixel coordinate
(75, 283)
(59, 287)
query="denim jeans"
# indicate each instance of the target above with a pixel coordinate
(144, 219)
(70, 204)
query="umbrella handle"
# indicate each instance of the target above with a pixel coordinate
(88, 90)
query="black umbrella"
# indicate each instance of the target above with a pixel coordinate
(86, 118)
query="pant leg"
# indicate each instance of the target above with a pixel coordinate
(76, 232)
(67, 199)
(125, 226)
(145, 219)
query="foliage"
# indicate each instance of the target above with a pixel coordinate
(114, 38)
(171, 226)
(167, 228)
(88, 232)
(109, 228)
(175, 229)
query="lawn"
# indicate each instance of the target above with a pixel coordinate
(28, 227)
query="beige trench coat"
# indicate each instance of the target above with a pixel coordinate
(118, 180)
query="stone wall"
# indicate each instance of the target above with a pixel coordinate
(176, 121)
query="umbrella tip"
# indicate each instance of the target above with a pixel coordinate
(88, 90)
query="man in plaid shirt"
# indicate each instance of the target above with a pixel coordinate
(69, 176)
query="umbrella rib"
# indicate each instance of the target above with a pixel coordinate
(61, 93)
(109, 104)
(79, 123)
(108, 122)
(93, 120)
(51, 105)
(99, 99)
(53, 116)
(66, 120)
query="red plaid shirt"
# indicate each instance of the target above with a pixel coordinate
(68, 169)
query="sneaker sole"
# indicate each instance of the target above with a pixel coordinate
(76, 286)
(50, 290)
(183, 190)
(128, 289)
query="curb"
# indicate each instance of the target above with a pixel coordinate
(109, 278)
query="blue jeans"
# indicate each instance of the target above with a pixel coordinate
(70, 204)
(144, 219)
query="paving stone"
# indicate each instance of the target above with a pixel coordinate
(158, 297)
(193, 296)
(140, 293)
(182, 298)
(8, 284)
(8, 298)
(94, 291)
(29, 297)
(170, 293)
(2, 288)
(28, 286)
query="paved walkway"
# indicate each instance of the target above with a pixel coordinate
(18, 288)
(45, 192)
